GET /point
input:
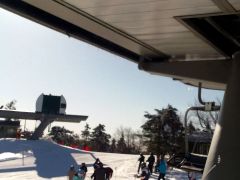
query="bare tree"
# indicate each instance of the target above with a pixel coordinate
(139, 141)
(131, 137)
(11, 105)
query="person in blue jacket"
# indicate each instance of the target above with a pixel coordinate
(162, 168)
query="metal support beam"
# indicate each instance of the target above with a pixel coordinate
(38, 116)
(45, 119)
(223, 158)
(212, 73)
(40, 129)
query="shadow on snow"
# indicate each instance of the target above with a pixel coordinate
(51, 160)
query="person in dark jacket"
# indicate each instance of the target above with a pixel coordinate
(96, 163)
(109, 173)
(157, 163)
(99, 173)
(151, 161)
(141, 160)
(83, 167)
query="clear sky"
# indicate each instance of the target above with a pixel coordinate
(107, 88)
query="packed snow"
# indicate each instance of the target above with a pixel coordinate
(44, 159)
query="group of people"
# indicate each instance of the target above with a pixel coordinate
(146, 171)
(100, 172)
(160, 167)
(105, 173)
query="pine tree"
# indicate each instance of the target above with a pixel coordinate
(121, 144)
(113, 146)
(163, 131)
(99, 139)
(86, 133)
(65, 136)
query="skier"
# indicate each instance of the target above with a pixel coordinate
(83, 169)
(141, 160)
(96, 163)
(151, 161)
(71, 172)
(157, 163)
(109, 173)
(162, 168)
(145, 175)
(99, 173)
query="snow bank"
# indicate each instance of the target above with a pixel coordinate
(9, 156)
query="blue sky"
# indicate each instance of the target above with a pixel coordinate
(110, 89)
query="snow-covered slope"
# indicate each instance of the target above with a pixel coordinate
(21, 159)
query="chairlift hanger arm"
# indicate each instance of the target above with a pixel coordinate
(200, 93)
(209, 106)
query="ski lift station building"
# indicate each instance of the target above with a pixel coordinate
(192, 41)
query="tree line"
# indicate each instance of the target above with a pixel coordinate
(161, 133)
(97, 139)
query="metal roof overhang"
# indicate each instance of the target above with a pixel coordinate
(166, 37)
